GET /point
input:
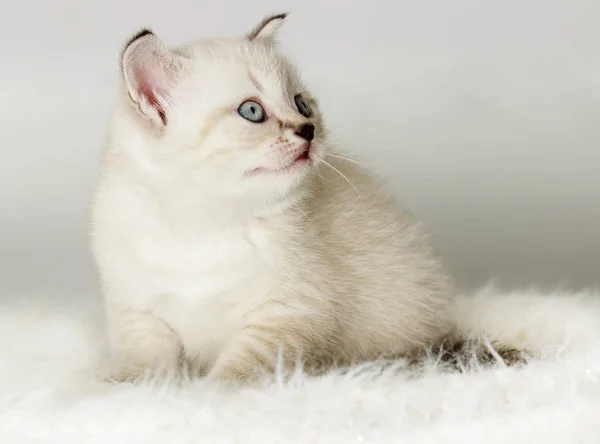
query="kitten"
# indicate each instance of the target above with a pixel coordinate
(229, 238)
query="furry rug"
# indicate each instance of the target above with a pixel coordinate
(48, 392)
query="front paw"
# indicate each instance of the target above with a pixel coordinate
(123, 376)
(229, 376)
(236, 375)
(130, 373)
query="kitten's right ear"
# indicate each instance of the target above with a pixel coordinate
(151, 71)
(268, 28)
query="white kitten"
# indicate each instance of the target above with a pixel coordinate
(226, 233)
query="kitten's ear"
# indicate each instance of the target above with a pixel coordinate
(267, 29)
(151, 71)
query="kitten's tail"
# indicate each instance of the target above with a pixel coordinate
(514, 327)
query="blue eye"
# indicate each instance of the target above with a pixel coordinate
(303, 106)
(252, 111)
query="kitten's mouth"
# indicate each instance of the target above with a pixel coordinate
(304, 156)
(300, 161)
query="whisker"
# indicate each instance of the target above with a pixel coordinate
(340, 173)
(323, 181)
(363, 164)
(345, 158)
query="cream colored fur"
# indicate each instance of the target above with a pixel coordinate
(216, 256)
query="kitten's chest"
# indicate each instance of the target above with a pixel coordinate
(196, 267)
(202, 287)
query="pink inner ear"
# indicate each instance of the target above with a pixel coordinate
(150, 91)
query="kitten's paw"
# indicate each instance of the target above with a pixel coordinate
(135, 374)
(233, 376)
(122, 372)
(123, 376)
(228, 377)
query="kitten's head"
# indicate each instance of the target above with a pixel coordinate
(229, 117)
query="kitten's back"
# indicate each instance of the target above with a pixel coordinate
(391, 285)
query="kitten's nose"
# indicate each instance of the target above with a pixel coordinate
(307, 132)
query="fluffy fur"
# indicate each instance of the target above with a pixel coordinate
(49, 392)
(226, 246)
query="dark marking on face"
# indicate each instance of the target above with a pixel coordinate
(256, 31)
(287, 125)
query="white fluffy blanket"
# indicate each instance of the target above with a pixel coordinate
(48, 393)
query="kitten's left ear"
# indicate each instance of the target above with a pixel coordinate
(267, 29)
(151, 71)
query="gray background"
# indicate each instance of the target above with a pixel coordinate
(484, 114)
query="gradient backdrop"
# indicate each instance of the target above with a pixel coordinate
(484, 114)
